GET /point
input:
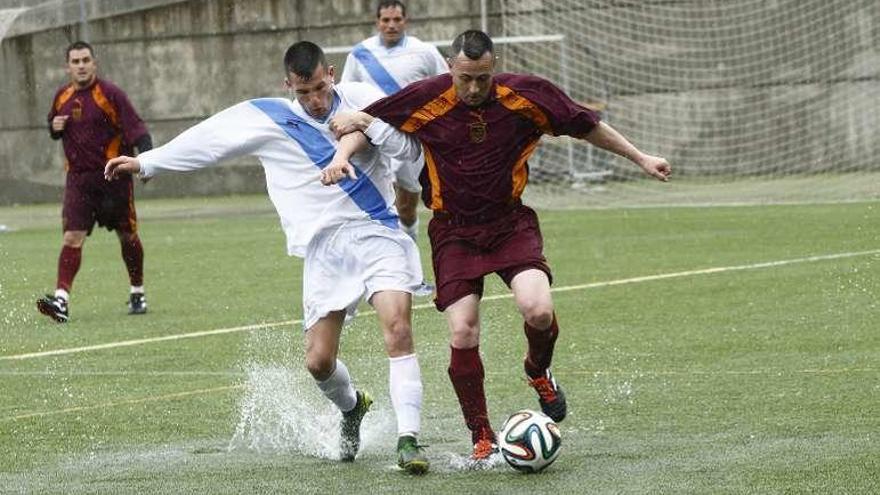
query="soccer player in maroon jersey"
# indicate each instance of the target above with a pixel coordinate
(478, 129)
(95, 122)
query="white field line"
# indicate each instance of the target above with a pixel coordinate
(129, 343)
(190, 393)
(594, 285)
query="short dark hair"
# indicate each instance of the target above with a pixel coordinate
(302, 58)
(78, 45)
(473, 43)
(384, 4)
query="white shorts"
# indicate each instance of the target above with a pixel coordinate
(353, 262)
(406, 174)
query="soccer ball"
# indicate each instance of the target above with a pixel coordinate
(529, 441)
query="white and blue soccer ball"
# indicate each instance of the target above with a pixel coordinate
(529, 441)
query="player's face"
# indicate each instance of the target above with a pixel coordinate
(391, 24)
(472, 78)
(315, 93)
(82, 67)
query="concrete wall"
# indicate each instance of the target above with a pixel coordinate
(719, 87)
(179, 62)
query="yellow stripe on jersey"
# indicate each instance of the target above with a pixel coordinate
(431, 110)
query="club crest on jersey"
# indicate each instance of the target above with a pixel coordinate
(76, 110)
(477, 132)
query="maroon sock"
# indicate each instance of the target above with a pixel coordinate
(541, 344)
(68, 265)
(133, 255)
(466, 373)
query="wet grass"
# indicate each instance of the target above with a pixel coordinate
(755, 380)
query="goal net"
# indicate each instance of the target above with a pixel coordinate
(751, 101)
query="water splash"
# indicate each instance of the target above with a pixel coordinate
(622, 392)
(282, 410)
(465, 463)
(14, 313)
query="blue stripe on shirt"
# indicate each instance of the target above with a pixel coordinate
(320, 150)
(375, 69)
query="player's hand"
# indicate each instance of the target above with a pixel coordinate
(121, 165)
(337, 170)
(657, 167)
(348, 122)
(58, 122)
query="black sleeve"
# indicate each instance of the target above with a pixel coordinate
(144, 143)
(55, 135)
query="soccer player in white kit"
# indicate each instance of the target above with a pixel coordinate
(390, 60)
(348, 234)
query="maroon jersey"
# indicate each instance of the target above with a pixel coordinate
(476, 157)
(102, 124)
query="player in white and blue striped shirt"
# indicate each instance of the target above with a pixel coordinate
(348, 234)
(391, 60)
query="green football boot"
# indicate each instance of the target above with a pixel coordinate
(411, 456)
(350, 438)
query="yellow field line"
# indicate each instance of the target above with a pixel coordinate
(595, 285)
(178, 395)
(637, 373)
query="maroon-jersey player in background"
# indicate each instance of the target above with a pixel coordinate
(95, 122)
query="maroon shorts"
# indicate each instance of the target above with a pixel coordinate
(89, 198)
(464, 254)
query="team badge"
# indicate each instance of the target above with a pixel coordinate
(77, 110)
(477, 132)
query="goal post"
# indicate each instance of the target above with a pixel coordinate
(751, 101)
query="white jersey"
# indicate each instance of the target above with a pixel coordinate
(391, 69)
(293, 147)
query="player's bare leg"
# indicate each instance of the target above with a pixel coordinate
(394, 309)
(467, 374)
(531, 293)
(332, 377)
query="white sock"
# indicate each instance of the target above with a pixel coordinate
(137, 289)
(405, 384)
(411, 230)
(63, 294)
(338, 388)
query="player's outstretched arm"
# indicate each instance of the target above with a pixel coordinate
(121, 165)
(340, 167)
(607, 138)
(656, 166)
